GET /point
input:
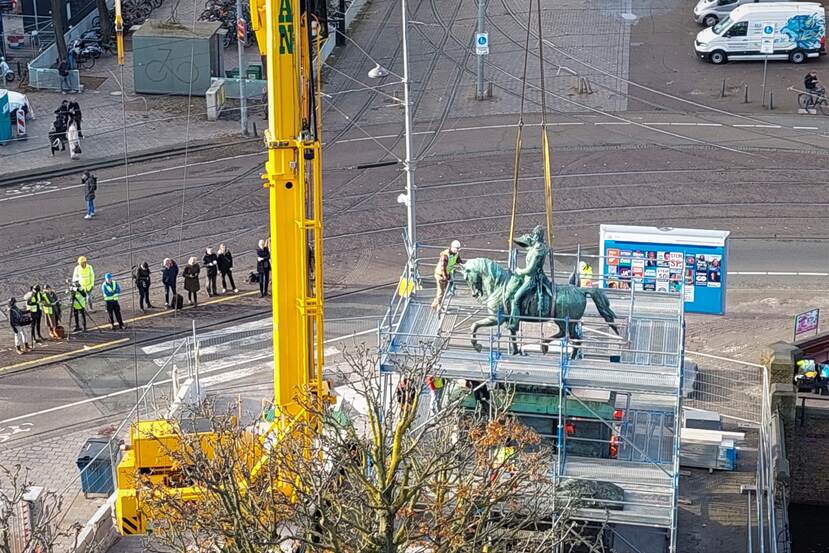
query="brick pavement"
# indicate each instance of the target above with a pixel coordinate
(52, 463)
(153, 121)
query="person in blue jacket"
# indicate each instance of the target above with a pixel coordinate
(111, 290)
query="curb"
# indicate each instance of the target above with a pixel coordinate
(99, 533)
(24, 176)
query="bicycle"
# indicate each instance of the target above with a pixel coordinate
(814, 100)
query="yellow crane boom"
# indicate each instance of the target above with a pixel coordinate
(293, 178)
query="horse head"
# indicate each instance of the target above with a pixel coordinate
(485, 278)
(472, 275)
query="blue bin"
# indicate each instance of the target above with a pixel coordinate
(95, 463)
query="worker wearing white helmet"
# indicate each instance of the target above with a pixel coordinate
(447, 261)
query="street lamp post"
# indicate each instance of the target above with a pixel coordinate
(408, 163)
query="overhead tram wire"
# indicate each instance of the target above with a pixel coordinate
(516, 173)
(548, 179)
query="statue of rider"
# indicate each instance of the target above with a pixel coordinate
(531, 277)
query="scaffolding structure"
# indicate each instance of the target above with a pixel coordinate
(640, 369)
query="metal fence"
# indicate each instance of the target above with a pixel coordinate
(730, 387)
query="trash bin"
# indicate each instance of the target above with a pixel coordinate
(95, 463)
(232, 74)
(254, 71)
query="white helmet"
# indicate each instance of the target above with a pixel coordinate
(456, 245)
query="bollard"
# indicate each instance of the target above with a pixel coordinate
(722, 90)
(254, 129)
(745, 98)
(771, 100)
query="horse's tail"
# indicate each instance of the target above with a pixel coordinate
(603, 306)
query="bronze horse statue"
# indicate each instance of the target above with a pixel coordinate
(490, 285)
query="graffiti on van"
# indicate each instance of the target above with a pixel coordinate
(805, 31)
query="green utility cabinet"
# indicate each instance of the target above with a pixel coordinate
(171, 58)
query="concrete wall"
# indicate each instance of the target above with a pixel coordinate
(806, 432)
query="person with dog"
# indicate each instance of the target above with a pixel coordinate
(78, 301)
(169, 274)
(141, 276)
(263, 267)
(84, 275)
(47, 309)
(211, 265)
(19, 321)
(51, 310)
(191, 281)
(111, 290)
(225, 259)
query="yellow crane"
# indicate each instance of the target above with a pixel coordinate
(293, 178)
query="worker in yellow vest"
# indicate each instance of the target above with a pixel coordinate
(33, 305)
(585, 275)
(84, 275)
(78, 306)
(436, 386)
(111, 290)
(447, 261)
(47, 310)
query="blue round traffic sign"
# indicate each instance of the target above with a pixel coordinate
(482, 40)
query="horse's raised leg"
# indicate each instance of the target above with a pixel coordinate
(490, 321)
(513, 341)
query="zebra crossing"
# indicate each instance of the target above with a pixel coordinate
(224, 354)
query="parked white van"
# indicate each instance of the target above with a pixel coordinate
(710, 12)
(793, 31)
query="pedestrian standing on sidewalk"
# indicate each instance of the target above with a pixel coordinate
(169, 274)
(263, 267)
(141, 276)
(90, 183)
(111, 291)
(63, 71)
(84, 275)
(211, 265)
(77, 297)
(191, 281)
(75, 115)
(20, 323)
(225, 259)
(33, 306)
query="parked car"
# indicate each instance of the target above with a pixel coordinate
(794, 31)
(710, 12)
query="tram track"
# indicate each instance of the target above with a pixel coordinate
(236, 223)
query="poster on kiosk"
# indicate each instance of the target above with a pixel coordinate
(692, 262)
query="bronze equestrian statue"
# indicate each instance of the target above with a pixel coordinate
(528, 295)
